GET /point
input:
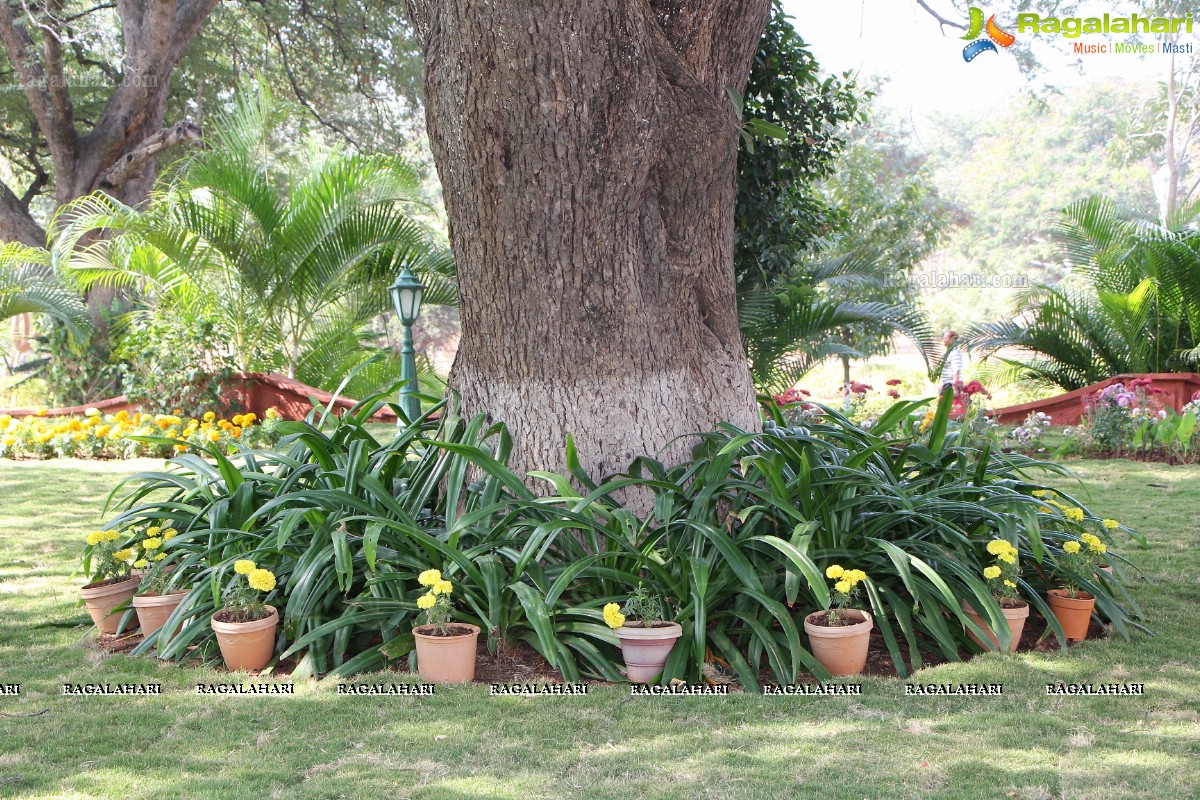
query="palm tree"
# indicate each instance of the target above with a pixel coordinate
(793, 326)
(28, 285)
(290, 253)
(1135, 307)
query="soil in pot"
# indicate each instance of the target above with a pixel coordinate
(841, 648)
(446, 657)
(245, 645)
(102, 597)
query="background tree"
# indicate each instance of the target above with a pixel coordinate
(780, 215)
(106, 88)
(285, 256)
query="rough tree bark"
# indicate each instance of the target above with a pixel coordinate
(587, 154)
(130, 130)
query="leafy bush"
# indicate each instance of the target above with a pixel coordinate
(735, 544)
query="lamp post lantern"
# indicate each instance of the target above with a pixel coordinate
(407, 292)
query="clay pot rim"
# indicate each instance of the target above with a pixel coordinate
(1082, 597)
(671, 631)
(865, 624)
(244, 627)
(1017, 611)
(417, 632)
(154, 598)
(92, 590)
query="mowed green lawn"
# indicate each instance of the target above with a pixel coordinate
(464, 744)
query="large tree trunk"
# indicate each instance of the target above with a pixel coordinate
(587, 153)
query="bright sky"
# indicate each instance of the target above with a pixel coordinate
(899, 39)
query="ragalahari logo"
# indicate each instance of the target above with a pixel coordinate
(994, 32)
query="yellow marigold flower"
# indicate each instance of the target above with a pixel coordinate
(834, 571)
(1071, 547)
(153, 530)
(141, 563)
(244, 566)
(224, 424)
(163, 423)
(121, 416)
(214, 436)
(855, 576)
(1039, 492)
(1098, 547)
(122, 555)
(43, 412)
(111, 536)
(261, 579)
(95, 537)
(235, 432)
(160, 556)
(177, 411)
(181, 447)
(209, 416)
(1089, 538)
(1010, 584)
(9, 440)
(248, 419)
(1074, 514)
(236, 419)
(272, 413)
(442, 587)
(426, 601)
(997, 546)
(843, 586)
(991, 572)
(103, 431)
(613, 616)
(153, 543)
(1008, 557)
(169, 534)
(429, 577)
(1111, 524)
(1046, 509)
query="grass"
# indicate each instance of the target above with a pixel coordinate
(463, 743)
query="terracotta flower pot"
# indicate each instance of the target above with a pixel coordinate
(101, 600)
(646, 649)
(153, 611)
(247, 645)
(446, 659)
(1073, 613)
(843, 649)
(1015, 617)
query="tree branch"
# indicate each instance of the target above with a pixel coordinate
(129, 164)
(942, 21)
(420, 13)
(16, 223)
(291, 76)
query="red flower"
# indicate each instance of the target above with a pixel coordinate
(894, 394)
(895, 382)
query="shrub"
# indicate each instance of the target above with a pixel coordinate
(735, 545)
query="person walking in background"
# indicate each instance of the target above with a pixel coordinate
(953, 364)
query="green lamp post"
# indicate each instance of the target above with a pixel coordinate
(407, 292)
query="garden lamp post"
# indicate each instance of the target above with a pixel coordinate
(407, 292)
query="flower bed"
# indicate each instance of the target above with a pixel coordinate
(130, 434)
